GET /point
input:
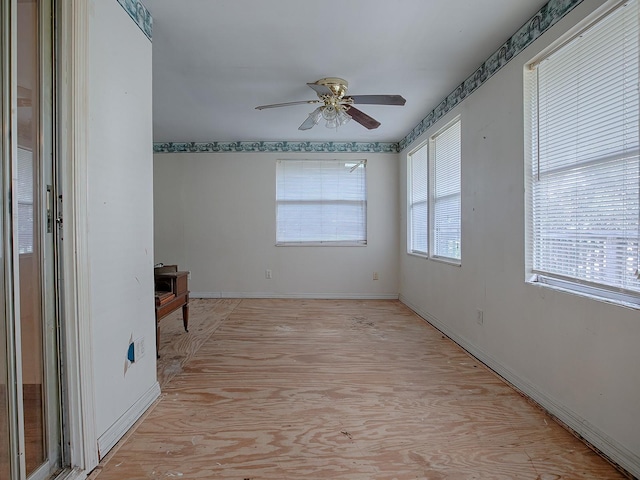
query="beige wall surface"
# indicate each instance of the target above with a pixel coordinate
(120, 210)
(576, 355)
(215, 216)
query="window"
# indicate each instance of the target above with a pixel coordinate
(434, 217)
(445, 193)
(321, 202)
(583, 178)
(418, 201)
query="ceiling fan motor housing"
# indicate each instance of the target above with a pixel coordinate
(338, 86)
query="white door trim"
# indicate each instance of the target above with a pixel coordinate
(8, 122)
(76, 307)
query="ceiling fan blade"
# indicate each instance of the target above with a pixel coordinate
(363, 119)
(320, 89)
(287, 104)
(377, 99)
(310, 122)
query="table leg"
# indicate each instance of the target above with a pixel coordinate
(185, 316)
(157, 338)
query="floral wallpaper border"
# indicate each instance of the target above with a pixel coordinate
(139, 13)
(329, 147)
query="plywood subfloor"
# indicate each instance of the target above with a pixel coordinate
(326, 389)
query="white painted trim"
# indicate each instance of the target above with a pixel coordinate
(319, 296)
(43, 472)
(607, 446)
(75, 474)
(75, 300)
(8, 144)
(116, 431)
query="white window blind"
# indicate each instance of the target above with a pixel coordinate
(418, 201)
(24, 196)
(321, 201)
(446, 220)
(584, 178)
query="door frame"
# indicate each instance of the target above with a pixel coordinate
(75, 301)
(70, 140)
(8, 144)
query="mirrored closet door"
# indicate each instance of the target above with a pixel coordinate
(30, 400)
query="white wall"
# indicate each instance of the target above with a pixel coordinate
(577, 356)
(120, 210)
(215, 216)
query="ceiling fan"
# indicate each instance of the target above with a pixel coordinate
(338, 108)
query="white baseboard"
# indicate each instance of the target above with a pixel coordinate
(610, 448)
(320, 296)
(115, 432)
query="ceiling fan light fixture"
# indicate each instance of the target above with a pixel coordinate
(335, 116)
(343, 117)
(329, 112)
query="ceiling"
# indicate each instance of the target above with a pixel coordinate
(215, 61)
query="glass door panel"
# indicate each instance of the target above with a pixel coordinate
(34, 242)
(5, 444)
(28, 160)
(30, 405)
(7, 430)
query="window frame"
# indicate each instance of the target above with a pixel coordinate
(357, 163)
(575, 285)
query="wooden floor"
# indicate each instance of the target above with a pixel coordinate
(326, 389)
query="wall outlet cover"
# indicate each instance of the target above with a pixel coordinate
(139, 348)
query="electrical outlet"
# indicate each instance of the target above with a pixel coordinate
(267, 274)
(479, 317)
(375, 275)
(139, 348)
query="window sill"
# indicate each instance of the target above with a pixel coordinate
(621, 300)
(449, 261)
(321, 244)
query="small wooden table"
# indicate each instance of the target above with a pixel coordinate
(171, 292)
